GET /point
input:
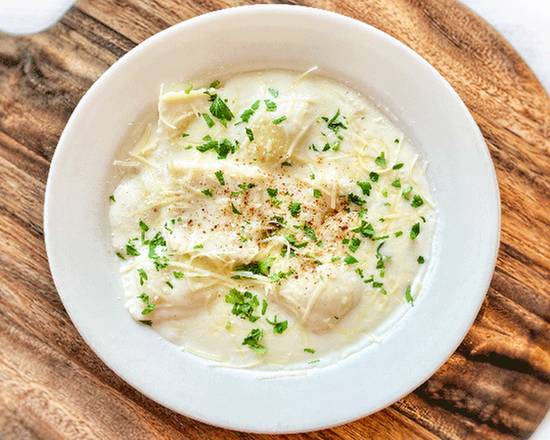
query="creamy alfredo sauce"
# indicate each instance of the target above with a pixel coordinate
(270, 218)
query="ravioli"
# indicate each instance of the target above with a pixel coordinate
(271, 218)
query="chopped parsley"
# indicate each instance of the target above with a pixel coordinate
(417, 201)
(220, 110)
(207, 192)
(199, 246)
(214, 84)
(243, 187)
(396, 183)
(354, 244)
(223, 148)
(112, 198)
(408, 296)
(178, 275)
(169, 284)
(144, 228)
(398, 166)
(309, 231)
(264, 306)
(270, 106)
(295, 208)
(278, 276)
(209, 121)
(119, 255)
(420, 260)
(415, 230)
(380, 259)
(219, 175)
(260, 267)
(350, 259)
(278, 327)
(273, 92)
(355, 199)
(365, 187)
(247, 114)
(374, 176)
(309, 350)
(272, 192)
(249, 133)
(244, 304)
(235, 210)
(380, 160)
(156, 241)
(398, 233)
(406, 194)
(365, 229)
(279, 120)
(142, 276)
(316, 193)
(253, 341)
(333, 123)
(131, 249)
(149, 306)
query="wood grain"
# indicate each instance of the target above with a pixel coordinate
(496, 385)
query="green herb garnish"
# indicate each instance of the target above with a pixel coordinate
(270, 106)
(295, 208)
(220, 110)
(380, 160)
(247, 114)
(374, 176)
(279, 120)
(355, 199)
(244, 304)
(350, 259)
(149, 306)
(333, 123)
(253, 341)
(219, 175)
(365, 187)
(420, 260)
(142, 276)
(278, 327)
(209, 121)
(408, 296)
(417, 201)
(207, 192)
(415, 230)
(249, 133)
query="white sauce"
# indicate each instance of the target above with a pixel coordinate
(329, 305)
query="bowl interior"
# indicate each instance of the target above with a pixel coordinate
(461, 175)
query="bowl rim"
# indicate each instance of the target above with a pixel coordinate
(64, 144)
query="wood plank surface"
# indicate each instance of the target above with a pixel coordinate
(496, 385)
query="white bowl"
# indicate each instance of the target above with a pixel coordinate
(461, 175)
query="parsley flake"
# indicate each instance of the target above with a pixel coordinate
(415, 230)
(253, 341)
(219, 175)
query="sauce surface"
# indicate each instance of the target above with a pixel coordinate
(271, 218)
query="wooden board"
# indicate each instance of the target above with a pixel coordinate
(496, 385)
